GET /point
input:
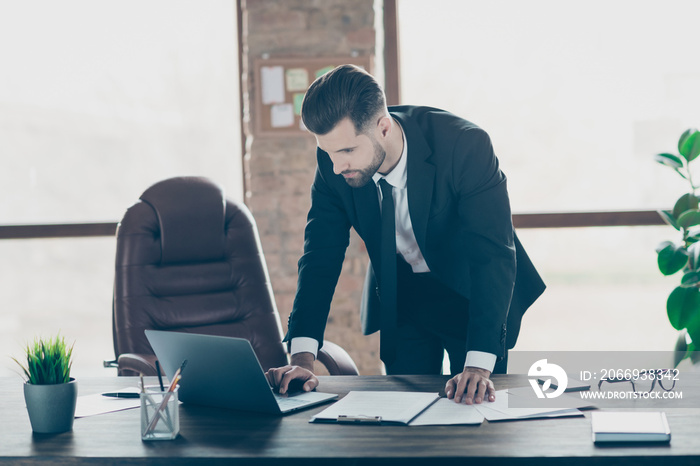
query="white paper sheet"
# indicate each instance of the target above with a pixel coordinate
(282, 115)
(446, 412)
(499, 411)
(564, 401)
(90, 405)
(272, 83)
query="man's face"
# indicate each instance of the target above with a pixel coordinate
(355, 156)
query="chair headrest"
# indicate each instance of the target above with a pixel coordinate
(191, 212)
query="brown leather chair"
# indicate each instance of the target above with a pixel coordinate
(190, 260)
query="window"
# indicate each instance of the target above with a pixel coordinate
(98, 101)
(577, 98)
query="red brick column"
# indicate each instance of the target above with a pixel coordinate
(279, 169)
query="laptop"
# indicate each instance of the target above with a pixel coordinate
(223, 372)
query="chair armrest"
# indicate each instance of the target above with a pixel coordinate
(336, 359)
(130, 364)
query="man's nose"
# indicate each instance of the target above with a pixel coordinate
(339, 165)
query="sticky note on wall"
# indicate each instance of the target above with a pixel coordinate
(281, 115)
(297, 79)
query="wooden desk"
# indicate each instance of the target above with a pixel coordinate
(210, 436)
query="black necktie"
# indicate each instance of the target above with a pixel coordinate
(387, 282)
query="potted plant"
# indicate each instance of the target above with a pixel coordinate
(683, 304)
(49, 391)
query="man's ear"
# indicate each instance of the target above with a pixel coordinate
(384, 126)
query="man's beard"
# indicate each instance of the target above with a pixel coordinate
(363, 176)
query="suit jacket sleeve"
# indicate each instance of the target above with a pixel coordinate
(486, 233)
(326, 238)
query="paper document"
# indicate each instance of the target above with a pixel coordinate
(446, 412)
(272, 82)
(90, 405)
(566, 400)
(499, 411)
(377, 407)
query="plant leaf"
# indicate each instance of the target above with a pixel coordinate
(684, 137)
(669, 160)
(668, 217)
(694, 255)
(689, 147)
(689, 218)
(690, 279)
(48, 361)
(685, 203)
(683, 308)
(671, 258)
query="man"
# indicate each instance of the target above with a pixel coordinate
(456, 278)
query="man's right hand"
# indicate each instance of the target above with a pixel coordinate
(301, 369)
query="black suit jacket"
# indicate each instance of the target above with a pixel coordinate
(459, 208)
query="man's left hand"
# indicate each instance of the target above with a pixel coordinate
(471, 386)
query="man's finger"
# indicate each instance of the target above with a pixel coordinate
(481, 389)
(310, 384)
(461, 386)
(274, 375)
(491, 391)
(284, 382)
(472, 386)
(450, 388)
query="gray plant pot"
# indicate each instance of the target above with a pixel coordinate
(51, 408)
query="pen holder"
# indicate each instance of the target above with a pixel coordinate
(160, 415)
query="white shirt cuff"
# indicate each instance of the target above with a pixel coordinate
(305, 345)
(478, 359)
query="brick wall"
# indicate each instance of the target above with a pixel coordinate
(279, 169)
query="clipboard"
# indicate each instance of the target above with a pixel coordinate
(377, 408)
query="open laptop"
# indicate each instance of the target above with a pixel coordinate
(225, 373)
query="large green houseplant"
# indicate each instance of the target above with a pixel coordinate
(683, 304)
(49, 391)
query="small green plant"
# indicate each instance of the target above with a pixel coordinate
(683, 304)
(48, 361)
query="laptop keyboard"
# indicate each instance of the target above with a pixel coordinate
(289, 402)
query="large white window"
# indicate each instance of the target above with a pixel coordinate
(99, 100)
(577, 98)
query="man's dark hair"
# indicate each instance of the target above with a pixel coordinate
(344, 92)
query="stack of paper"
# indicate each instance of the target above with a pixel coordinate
(446, 412)
(499, 410)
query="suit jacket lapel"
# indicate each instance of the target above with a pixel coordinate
(420, 178)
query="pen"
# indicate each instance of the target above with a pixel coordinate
(160, 377)
(121, 395)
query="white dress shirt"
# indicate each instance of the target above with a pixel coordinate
(407, 246)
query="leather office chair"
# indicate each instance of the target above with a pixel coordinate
(190, 260)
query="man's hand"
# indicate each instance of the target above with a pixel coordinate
(301, 369)
(471, 386)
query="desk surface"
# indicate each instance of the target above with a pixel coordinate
(211, 436)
